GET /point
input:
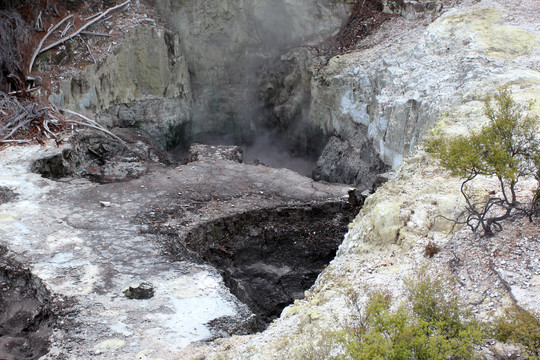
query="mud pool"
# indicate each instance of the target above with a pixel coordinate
(199, 233)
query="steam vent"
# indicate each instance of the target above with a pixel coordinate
(266, 179)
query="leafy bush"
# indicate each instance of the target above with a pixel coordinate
(433, 324)
(519, 326)
(507, 148)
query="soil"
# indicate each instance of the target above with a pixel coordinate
(90, 241)
(500, 270)
(365, 18)
(27, 317)
(6, 195)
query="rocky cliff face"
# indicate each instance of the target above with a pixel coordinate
(397, 96)
(351, 98)
(417, 80)
(227, 42)
(376, 104)
(144, 84)
(200, 79)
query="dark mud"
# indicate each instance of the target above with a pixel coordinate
(269, 232)
(269, 257)
(26, 315)
(6, 195)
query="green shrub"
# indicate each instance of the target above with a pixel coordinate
(519, 326)
(507, 148)
(431, 324)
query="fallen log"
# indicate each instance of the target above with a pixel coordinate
(89, 123)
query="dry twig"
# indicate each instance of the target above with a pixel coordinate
(26, 119)
(95, 18)
(81, 29)
(24, 122)
(95, 34)
(89, 123)
(68, 26)
(39, 23)
(90, 52)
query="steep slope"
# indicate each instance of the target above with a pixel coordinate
(397, 90)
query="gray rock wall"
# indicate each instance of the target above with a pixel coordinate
(398, 94)
(145, 83)
(227, 41)
(202, 77)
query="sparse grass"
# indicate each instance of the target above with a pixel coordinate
(519, 326)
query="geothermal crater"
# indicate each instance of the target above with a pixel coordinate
(225, 245)
(224, 241)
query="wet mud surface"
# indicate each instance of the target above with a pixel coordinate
(197, 232)
(26, 317)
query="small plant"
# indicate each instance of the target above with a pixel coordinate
(519, 326)
(431, 249)
(508, 148)
(431, 324)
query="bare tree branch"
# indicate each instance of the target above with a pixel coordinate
(84, 27)
(38, 49)
(90, 123)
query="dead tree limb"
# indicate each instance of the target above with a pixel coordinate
(89, 123)
(22, 91)
(38, 49)
(82, 28)
(90, 52)
(15, 141)
(91, 17)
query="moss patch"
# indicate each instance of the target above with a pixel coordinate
(505, 42)
(508, 42)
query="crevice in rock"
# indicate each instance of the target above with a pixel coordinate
(269, 257)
